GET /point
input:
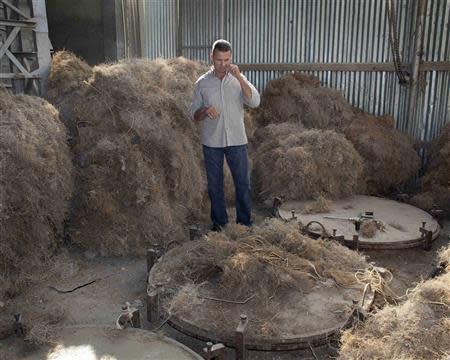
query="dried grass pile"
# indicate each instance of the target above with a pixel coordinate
(140, 172)
(320, 205)
(67, 74)
(444, 257)
(299, 99)
(36, 183)
(261, 266)
(389, 156)
(436, 181)
(298, 164)
(418, 329)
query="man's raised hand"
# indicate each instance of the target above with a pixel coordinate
(234, 70)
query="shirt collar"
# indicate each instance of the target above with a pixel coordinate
(212, 74)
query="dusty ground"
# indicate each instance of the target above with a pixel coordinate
(409, 266)
(124, 279)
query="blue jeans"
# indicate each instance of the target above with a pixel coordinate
(238, 163)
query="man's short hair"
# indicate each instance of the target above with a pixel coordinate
(221, 45)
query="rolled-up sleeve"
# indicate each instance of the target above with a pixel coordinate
(197, 101)
(256, 99)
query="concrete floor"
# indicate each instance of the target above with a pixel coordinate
(124, 279)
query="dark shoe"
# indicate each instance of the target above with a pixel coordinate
(216, 227)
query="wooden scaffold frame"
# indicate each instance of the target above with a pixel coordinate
(25, 69)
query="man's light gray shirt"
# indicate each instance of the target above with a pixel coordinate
(227, 98)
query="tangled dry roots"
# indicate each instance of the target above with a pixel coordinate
(65, 81)
(436, 181)
(444, 257)
(389, 157)
(299, 99)
(36, 183)
(300, 165)
(262, 263)
(66, 74)
(417, 329)
(140, 175)
(320, 205)
(370, 227)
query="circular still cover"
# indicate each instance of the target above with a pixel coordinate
(391, 224)
(295, 291)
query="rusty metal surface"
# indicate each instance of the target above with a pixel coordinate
(424, 239)
(238, 341)
(304, 342)
(390, 213)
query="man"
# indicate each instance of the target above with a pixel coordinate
(219, 98)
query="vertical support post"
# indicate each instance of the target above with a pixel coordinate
(412, 118)
(152, 256)
(16, 83)
(153, 304)
(152, 292)
(428, 241)
(179, 50)
(427, 237)
(3, 37)
(356, 242)
(43, 45)
(240, 338)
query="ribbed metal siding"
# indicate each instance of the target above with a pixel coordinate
(325, 31)
(200, 27)
(158, 26)
(307, 31)
(132, 28)
(434, 95)
(314, 31)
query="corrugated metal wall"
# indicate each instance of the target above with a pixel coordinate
(132, 29)
(159, 28)
(316, 31)
(434, 101)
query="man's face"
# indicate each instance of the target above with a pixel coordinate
(221, 61)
